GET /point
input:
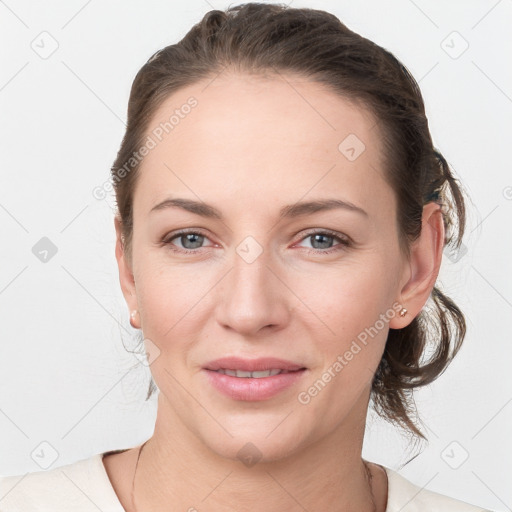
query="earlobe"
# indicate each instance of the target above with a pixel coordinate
(135, 319)
(424, 264)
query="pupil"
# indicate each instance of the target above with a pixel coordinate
(321, 236)
(196, 243)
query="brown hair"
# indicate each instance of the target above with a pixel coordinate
(264, 38)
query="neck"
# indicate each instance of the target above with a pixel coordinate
(176, 468)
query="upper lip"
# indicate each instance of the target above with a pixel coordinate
(252, 365)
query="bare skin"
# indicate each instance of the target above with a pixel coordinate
(120, 468)
(250, 147)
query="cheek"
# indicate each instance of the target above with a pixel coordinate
(349, 297)
(165, 295)
(352, 310)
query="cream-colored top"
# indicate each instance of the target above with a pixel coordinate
(84, 486)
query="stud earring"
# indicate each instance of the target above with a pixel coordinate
(133, 314)
(403, 312)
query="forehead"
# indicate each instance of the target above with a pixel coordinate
(254, 138)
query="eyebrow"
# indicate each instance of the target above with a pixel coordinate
(290, 211)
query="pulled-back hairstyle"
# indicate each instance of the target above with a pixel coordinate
(263, 39)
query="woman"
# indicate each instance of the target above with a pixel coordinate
(282, 215)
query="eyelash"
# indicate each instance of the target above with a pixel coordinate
(345, 242)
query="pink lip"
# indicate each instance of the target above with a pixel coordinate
(248, 388)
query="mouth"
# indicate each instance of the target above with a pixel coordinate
(242, 367)
(253, 379)
(255, 374)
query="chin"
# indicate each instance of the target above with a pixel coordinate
(250, 450)
(257, 441)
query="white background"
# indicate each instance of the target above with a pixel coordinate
(66, 378)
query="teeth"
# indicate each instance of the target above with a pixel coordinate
(254, 375)
(265, 373)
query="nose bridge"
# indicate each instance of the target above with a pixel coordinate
(252, 297)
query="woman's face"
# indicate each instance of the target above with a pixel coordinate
(255, 283)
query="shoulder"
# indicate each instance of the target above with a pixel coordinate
(404, 496)
(82, 486)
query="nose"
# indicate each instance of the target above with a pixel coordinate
(253, 297)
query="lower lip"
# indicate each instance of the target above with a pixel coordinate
(248, 388)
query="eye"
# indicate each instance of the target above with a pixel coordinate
(321, 240)
(190, 241)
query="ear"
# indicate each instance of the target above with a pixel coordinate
(125, 269)
(423, 266)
